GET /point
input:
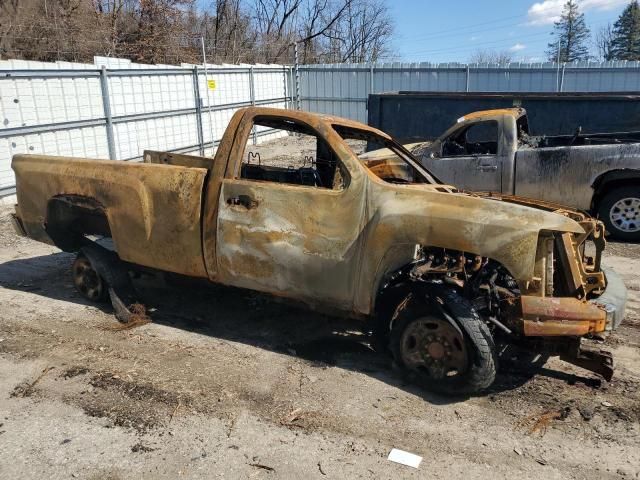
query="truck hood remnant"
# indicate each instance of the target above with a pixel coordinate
(504, 231)
(534, 203)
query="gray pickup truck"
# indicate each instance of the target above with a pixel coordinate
(492, 151)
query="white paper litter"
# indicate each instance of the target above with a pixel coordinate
(405, 458)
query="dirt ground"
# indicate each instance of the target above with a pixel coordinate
(229, 384)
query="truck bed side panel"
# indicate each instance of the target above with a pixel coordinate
(565, 175)
(153, 210)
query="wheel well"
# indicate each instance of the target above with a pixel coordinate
(71, 217)
(610, 181)
(461, 271)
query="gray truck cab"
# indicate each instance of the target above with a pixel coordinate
(493, 151)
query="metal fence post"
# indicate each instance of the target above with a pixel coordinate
(562, 77)
(104, 86)
(196, 94)
(467, 78)
(297, 70)
(371, 67)
(252, 97)
(290, 87)
(209, 106)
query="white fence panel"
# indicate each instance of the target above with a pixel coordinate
(57, 108)
(60, 109)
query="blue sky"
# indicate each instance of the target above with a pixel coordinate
(450, 31)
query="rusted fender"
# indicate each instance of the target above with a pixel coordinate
(153, 210)
(405, 216)
(551, 316)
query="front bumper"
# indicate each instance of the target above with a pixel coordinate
(571, 317)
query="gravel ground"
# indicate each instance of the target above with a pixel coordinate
(228, 384)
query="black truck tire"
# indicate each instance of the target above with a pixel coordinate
(88, 282)
(434, 309)
(619, 210)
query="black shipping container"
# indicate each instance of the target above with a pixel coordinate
(416, 116)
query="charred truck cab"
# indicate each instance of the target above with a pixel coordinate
(446, 280)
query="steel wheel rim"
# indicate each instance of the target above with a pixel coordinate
(625, 214)
(87, 280)
(432, 346)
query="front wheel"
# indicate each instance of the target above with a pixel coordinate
(440, 341)
(619, 210)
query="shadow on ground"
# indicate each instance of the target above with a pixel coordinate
(250, 318)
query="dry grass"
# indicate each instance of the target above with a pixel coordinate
(539, 423)
(138, 318)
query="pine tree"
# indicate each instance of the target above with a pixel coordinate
(626, 34)
(571, 33)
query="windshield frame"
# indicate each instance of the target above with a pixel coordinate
(389, 143)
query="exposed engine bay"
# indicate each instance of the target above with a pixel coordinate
(547, 314)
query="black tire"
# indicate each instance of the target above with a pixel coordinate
(87, 281)
(610, 202)
(480, 356)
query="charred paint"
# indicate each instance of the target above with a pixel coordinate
(560, 317)
(321, 246)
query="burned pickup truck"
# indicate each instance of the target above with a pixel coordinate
(445, 280)
(493, 151)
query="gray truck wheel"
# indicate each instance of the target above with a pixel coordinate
(87, 281)
(442, 344)
(619, 210)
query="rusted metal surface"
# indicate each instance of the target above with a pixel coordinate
(17, 225)
(435, 345)
(597, 361)
(548, 316)
(330, 248)
(335, 247)
(492, 114)
(178, 159)
(153, 210)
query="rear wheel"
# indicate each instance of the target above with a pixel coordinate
(619, 210)
(87, 280)
(443, 345)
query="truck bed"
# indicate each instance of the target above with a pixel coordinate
(617, 138)
(558, 174)
(153, 210)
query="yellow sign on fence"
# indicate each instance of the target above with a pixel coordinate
(211, 84)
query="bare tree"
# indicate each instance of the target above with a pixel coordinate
(41, 30)
(604, 42)
(234, 35)
(363, 34)
(170, 31)
(490, 56)
(283, 23)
